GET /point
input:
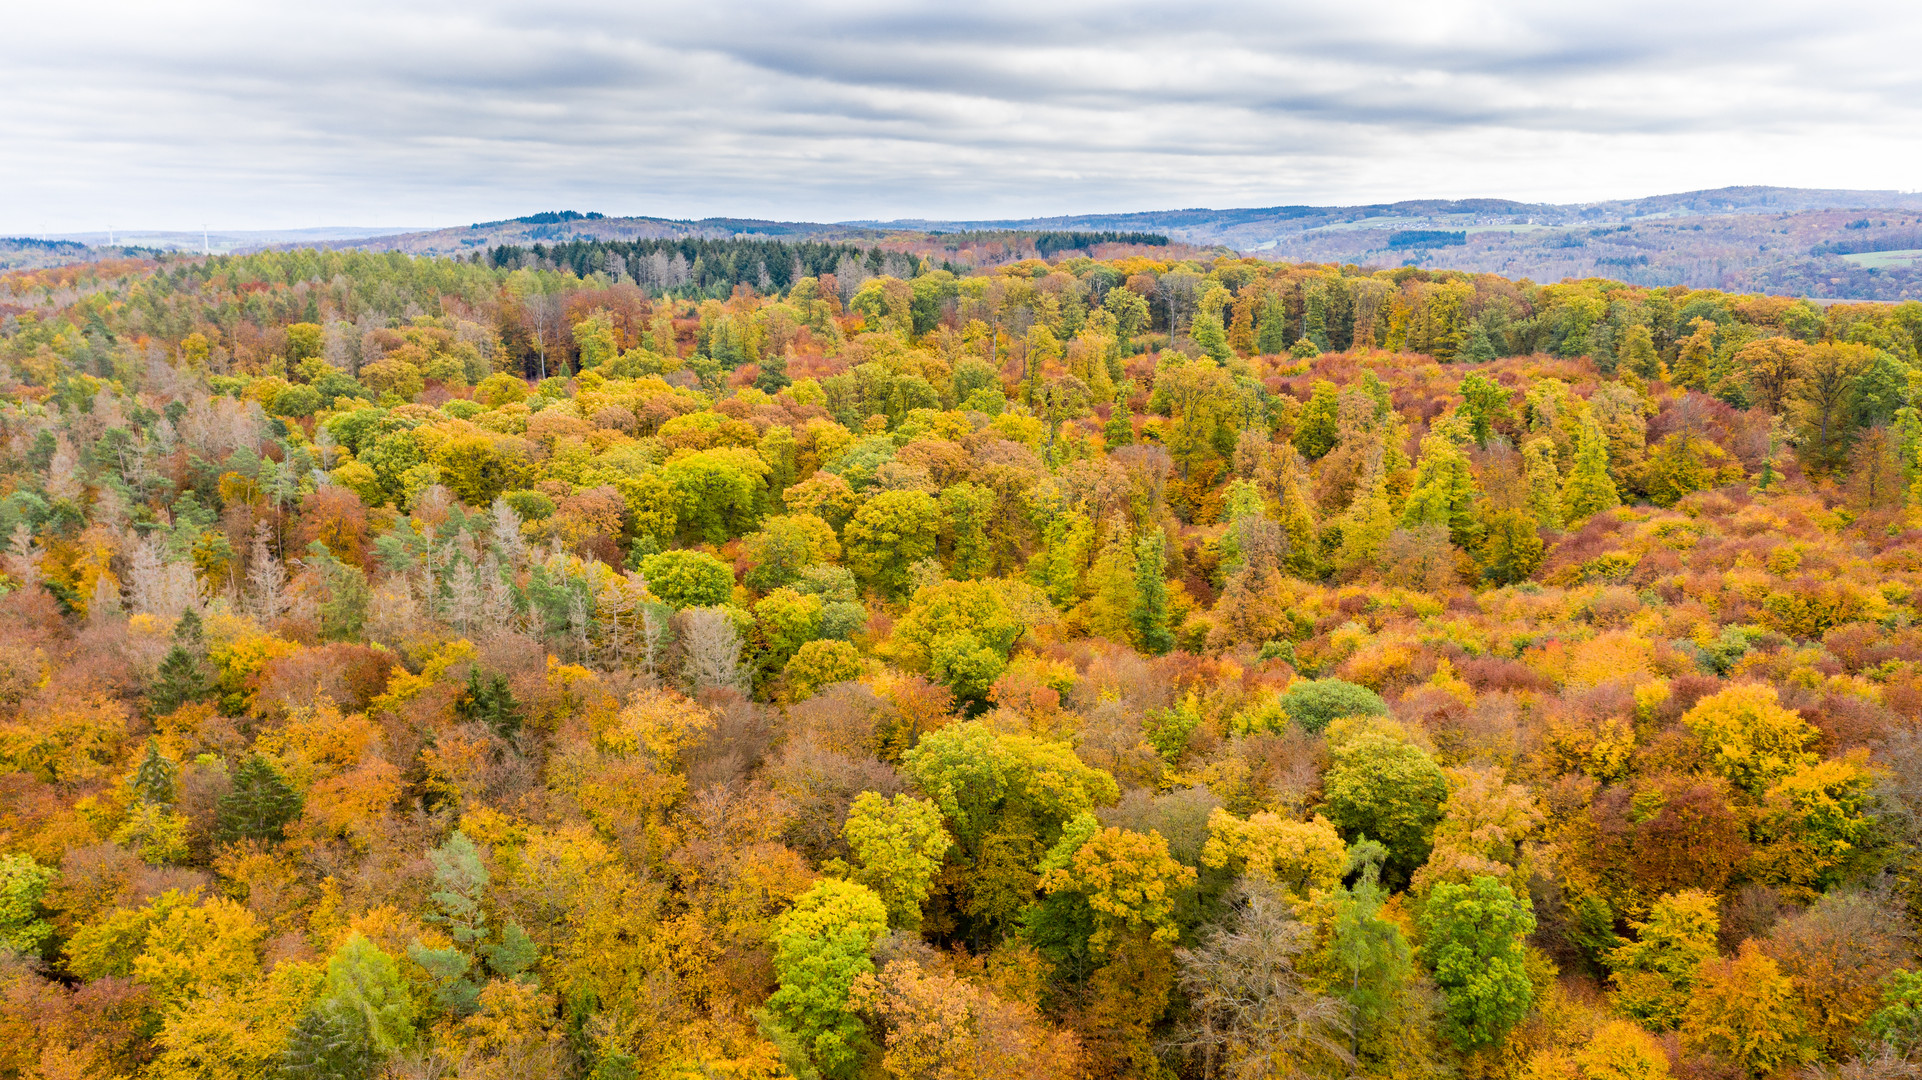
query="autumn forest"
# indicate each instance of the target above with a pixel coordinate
(951, 657)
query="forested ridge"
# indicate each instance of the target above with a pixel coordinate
(704, 658)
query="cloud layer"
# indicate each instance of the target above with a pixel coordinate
(274, 115)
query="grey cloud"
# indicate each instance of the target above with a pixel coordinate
(409, 112)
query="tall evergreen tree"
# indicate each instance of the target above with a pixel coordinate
(154, 778)
(1366, 955)
(1484, 404)
(1319, 427)
(259, 806)
(463, 881)
(343, 607)
(490, 702)
(180, 680)
(1314, 316)
(1601, 347)
(363, 1015)
(773, 377)
(325, 1045)
(1208, 333)
(1693, 358)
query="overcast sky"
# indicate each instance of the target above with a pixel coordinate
(260, 114)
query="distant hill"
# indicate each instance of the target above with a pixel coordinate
(1824, 243)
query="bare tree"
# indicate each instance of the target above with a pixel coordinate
(268, 578)
(497, 602)
(465, 597)
(711, 650)
(655, 637)
(618, 604)
(579, 623)
(63, 473)
(544, 313)
(160, 588)
(507, 533)
(23, 559)
(1253, 1017)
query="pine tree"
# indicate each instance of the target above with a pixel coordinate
(1151, 593)
(154, 779)
(1544, 482)
(513, 954)
(463, 881)
(180, 680)
(325, 1045)
(490, 702)
(259, 806)
(1589, 490)
(362, 1016)
(773, 377)
(1366, 954)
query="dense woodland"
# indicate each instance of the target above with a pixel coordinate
(1145, 665)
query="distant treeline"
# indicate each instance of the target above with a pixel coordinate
(1905, 240)
(716, 266)
(702, 264)
(1051, 242)
(545, 217)
(43, 245)
(1421, 238)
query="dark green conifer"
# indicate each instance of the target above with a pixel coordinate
(154, 779)
(773, 377)
(181, 678)
(259, 806)
(327, 1045)
(490, 702)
